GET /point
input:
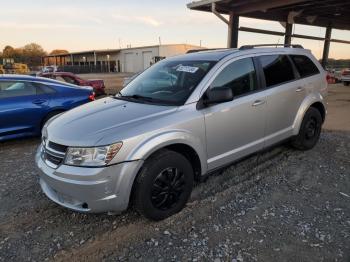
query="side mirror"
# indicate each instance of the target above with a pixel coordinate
(218, 95)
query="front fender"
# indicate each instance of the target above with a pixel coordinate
(150, 145)
(305, 105)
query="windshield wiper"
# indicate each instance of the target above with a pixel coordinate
(144, 99)
(136, 97)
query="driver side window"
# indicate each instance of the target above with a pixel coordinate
(240, 76)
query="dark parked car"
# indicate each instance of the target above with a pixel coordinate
(27, 102)
(97, 84)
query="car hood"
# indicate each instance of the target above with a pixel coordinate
(103, 122)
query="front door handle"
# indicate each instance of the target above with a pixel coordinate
(299, 89)
(39, 101)
(258, 102)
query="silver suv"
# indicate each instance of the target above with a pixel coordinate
(181, 119)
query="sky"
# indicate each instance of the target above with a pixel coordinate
(77, 25)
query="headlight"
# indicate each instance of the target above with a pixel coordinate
(91, 156)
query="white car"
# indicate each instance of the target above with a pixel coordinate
(178, 121)
(345, 77)
(49, 69)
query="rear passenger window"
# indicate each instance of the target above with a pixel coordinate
(240, 76)
(15, 89)
(304, 65)
(277, 69)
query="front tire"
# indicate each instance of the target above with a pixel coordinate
(310, 130)
(346, 83)
(164, 185)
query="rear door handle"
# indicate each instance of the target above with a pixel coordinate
(299, 89)
(39, 101)
(258, 102)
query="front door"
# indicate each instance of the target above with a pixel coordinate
(235, 129)
(21, 107)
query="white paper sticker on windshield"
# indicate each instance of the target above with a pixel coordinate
(187, 69)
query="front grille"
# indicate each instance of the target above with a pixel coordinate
(57, 147)
(54, 153)
(52, 158)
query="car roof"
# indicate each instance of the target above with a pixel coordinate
(35, 79)
(58, 73)
(207, 55)
(219, 54)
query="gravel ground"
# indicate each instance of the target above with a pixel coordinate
(281, 205)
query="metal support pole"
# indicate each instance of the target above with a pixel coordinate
(233, 27)
(327, 42)
(288, 35)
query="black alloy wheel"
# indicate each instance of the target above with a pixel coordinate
(310, 130)
(167, 188)
(164, 185)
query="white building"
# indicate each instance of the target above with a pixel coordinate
(129, 60)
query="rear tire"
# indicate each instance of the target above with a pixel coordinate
(310, 130)
(346, 83)
(164, 185)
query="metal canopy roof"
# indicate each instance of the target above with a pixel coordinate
(324, 13)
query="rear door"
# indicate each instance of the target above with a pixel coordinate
(22, 107)
(235, 129)
(285, 95)
(310, 78)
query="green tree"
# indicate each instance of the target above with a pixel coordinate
(8, 52)
(32, 54)
(58, 52)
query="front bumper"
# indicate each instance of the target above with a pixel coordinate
(84, 189)
(345, 79)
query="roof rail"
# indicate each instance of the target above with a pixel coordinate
(244, 47)
(202, 50)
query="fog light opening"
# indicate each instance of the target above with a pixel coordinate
(85, 206)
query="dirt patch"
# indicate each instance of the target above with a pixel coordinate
(338, 108)
(282, 205)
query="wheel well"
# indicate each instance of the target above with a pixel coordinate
(319, 106)
(184, 150)
(53, 112)
(191, 156)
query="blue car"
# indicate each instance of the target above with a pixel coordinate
(27, 102)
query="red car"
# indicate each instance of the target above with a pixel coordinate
(97, 84)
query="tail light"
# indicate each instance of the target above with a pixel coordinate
(92, 96)
(345, 72)
(329, 79)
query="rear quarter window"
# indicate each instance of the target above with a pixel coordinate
(277, 69)
(304, 65)
(44, 89)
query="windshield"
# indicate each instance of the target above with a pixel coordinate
(167, 82)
